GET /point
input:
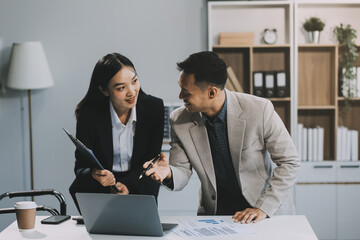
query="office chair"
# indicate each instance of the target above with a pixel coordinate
(33, 193)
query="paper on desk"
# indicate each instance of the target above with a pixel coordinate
(211, 227)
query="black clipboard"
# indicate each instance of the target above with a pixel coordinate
(88, 153)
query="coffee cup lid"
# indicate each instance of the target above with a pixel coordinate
(25, 205)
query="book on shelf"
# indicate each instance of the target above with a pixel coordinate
(321, 132)
(354, 145)
(343, 136)
(358, 81)
(342, 147)
(338, 143)
(299, 140)
(234, 80)
(315, 144)
(310, 143)
(347, 144)
(304, 144)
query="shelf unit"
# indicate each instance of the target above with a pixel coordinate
(333, 186)
(245, 60)
(316, 70)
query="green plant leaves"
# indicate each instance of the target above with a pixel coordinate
(313, 24)
(346, 37)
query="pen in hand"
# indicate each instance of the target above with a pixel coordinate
(150, 165)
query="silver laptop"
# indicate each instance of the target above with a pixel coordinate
(121, 214)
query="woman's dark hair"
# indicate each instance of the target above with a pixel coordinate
(207, 67)
(105, 69)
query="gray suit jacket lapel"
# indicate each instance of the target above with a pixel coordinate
(236, 131)
(201, 142)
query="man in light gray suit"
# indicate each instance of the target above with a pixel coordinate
(226, 137)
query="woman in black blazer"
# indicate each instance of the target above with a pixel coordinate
(107, 110)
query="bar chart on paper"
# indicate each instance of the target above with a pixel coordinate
(211, 227)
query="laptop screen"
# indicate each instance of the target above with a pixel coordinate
(120, 214)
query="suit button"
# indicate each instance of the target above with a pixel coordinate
(213, 197)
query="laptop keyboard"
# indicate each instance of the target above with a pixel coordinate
(168, 226)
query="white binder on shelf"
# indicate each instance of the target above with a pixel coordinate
(354, 145)
(269, 84)
(299, 140)
(281, 90)
(344, 155)
(321, 143)
(304, 144)
(348, 145)
(358, 81)
(315, 144)
(338, 143)
(258, 84)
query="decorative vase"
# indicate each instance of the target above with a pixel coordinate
(314, 37)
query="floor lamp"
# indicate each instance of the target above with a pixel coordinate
(29, 70)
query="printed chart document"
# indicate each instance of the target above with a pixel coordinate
(211, 227)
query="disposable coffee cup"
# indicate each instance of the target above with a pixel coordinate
(25, 215)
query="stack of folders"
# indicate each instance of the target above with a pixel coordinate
(347, 144)
(351, 87)
(270, 84)
(169, 107)
(233, 83)
(310, 143)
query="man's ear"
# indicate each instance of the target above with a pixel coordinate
(104, 91)
(213, 92)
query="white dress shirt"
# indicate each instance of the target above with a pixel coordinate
(123, 140)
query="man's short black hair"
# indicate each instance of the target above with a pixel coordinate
(207, 67)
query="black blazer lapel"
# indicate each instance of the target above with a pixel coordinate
(140, 130)
(105, 137)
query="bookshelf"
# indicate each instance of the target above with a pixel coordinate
(316, 71)
(314, 100)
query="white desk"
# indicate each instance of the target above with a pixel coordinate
(275, 228)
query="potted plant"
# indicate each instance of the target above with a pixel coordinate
(314, 26)
(346, 36)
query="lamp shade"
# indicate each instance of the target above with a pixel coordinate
(28, 67)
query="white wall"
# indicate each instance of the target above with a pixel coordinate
(75, 34)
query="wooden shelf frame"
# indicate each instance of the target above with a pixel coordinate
(317, 75)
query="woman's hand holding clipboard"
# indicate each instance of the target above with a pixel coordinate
(89, 155)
